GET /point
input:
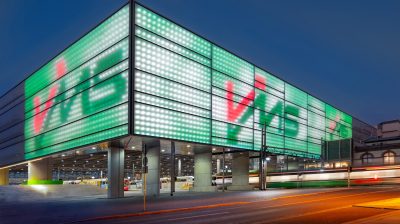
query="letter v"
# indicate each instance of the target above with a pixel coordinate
(39, 117)
(234, 113)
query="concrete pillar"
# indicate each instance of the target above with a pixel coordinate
(153, 175)
(115, 174)
(4, 176)
(240, 172)
(203, 171)
(40, 170)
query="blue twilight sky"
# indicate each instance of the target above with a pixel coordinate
(344, 52)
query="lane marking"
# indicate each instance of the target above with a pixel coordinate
(128, 215)
(161, 211)
(303, 202)
(306, 214)
(323, 199)
(197, 216)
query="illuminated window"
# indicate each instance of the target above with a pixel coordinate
(366, 158)
(388, 158)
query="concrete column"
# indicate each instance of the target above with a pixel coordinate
(240, 172)
(153, 175)
(115, 174)
(40, 169)
(4, 176)
(203, 171)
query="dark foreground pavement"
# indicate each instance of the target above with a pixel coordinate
(272, 206)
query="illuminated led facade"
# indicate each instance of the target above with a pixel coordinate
(180, 86)
(190, 89)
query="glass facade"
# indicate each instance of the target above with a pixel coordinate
(187, 88)
(184, 88)
(81, 96)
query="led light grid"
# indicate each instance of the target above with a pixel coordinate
(232, 143)
(295, 144)
(238, 96)
(172, 105)
(295, 112)
(270, 120)
(219, 130)
(163, 27)
(57, 119)
(98, 64)
(295, 95)
(315, 103)
(101, 121)
(96, 137)
(237, 87)
(102, 37)
(81, 96)
(159, 61)
(159, 122)
(230, 64)
(221, 112)
(149, 36)
(270, 80)
(165, 88)
(316, 120)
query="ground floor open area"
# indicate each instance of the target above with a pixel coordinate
(378, 204)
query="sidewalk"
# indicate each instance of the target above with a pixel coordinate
(386, 218)
(391, 217)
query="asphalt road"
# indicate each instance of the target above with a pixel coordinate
(272, 206)
(320, 207)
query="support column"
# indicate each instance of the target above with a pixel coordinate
(115, 174)
(240, 172)
(4, 176)
(153, 175)
(40, 170)
(203, 171)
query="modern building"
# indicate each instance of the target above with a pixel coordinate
(140, 80)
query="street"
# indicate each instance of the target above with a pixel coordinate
(323, 207)
(335, 205)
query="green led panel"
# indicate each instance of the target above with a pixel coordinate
(170, 104)
(296, 144)
(80, 97)
(102, 37)
(230, 64)
(270, 80)
(231, 85)
(159, 122)
(158, 40)
(74, 143)
(315, 105)
(159, 61)
(114, 117)
(165, 88)
(64, 112)
(82, 77)
(169, 30)
(316, 120)
(180, 75)
(221, 112)
(295, 95)
(314, 148)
